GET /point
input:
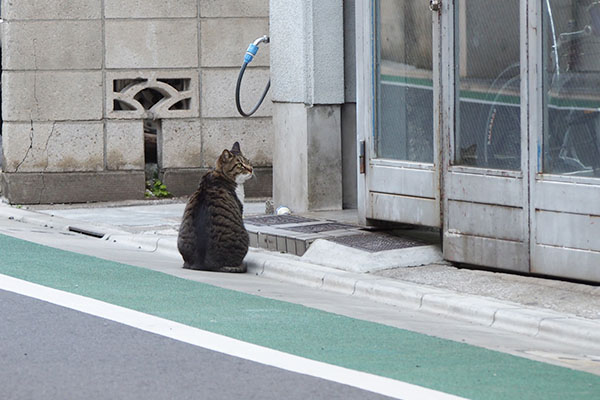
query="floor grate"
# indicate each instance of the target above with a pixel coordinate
(277, 220)
(374, 242)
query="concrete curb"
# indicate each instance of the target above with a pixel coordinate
(507, 316)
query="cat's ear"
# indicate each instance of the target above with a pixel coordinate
(236, 148)
(226, 155)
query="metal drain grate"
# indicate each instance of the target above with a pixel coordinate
(277, 220)
(317, 228)
(86, 232)
(374, 242)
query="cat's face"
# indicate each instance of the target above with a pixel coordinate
(234, 165)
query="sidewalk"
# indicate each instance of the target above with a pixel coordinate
(404, 269)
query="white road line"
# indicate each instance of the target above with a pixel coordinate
(222, 344)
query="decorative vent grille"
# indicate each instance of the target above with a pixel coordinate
(152, 97)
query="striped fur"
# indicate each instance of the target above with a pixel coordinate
(212, 236)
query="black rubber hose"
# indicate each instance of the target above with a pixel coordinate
(237, 94)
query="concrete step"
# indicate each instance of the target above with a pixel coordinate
(341, 245)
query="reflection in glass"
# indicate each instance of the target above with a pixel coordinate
(404, 81)
(572, 87)
(488, 128)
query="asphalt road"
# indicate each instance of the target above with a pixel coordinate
(373, 339)
(51, 352)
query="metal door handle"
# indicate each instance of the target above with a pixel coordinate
(435, 5)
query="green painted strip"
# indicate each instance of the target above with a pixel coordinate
(489, 97)
(494, 97)
(464, 94)
(562, 102)
(407, 80)
(435, 363)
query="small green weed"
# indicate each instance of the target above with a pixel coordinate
(155, 188)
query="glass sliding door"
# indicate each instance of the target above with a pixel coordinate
(565, 211)
(485, 197)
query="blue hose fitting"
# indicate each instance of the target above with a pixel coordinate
(250, 53)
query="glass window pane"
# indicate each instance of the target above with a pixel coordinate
(488, 126)
(571, 49)
(404, 81)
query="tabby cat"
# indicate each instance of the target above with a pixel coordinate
(212, 236)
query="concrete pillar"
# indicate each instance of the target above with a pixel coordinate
(307, 77)
(349, 154)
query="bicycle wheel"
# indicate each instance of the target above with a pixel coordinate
(502, 145)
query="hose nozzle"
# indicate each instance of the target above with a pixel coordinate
(263, 39)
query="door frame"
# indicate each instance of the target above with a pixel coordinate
(420, 178)
(365, 95)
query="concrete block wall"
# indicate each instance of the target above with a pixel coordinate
(80, 77)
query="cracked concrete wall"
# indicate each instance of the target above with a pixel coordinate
(80, 76)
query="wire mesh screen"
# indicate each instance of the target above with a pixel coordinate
(571, 85)
(488, 128)
(404, 81)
